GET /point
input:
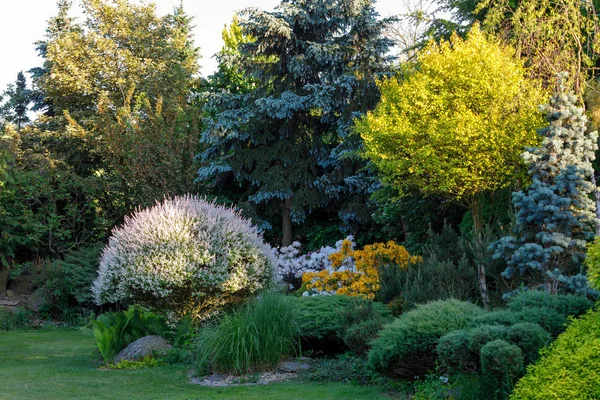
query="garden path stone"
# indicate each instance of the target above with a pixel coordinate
(293, 366)
(143, 347)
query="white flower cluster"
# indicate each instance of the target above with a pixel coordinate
(291, 265)
(181, 254)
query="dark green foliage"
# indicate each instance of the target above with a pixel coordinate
(113, 331)
(501, 360)
(530, 338)
(453, 351)
(565, 304)
(344, 368)
(287, 142)
(548, 318)
(437, 279)
(253, 338)
(178, 355)
(447, 271)
(327, 322)
(359, 336)
(65, 285)
(484, 334)
(16, 106)
(15, 320)
(406, 347)
(499, 317)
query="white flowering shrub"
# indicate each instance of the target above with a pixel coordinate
(184, 255)
(291, 264)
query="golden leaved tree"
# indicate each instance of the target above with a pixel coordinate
(457, 123)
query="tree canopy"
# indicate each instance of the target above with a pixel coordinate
(455, 124)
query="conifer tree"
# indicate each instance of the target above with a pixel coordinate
(555, 215)
(312, 64)
(17, 104)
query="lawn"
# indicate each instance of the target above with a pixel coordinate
(60, 364)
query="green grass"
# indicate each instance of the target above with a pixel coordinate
(60, 364)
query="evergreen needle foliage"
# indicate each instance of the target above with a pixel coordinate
(555, 215)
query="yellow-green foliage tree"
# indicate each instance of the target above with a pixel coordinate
(457, 123)
(122, 81)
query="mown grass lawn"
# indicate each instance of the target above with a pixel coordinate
(60, 364)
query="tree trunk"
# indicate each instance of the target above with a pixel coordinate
(3, 281)
(475, 208)
(483, 286)
(286, 222)
(597, 200)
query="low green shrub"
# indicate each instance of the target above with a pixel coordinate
(484, 334)
(359, 336)
(145, 362)
(454, 354)
(498, 317)
(325, 320)
(113, 331)
(565, 304)
(501, 360)
(65, 286)
(253, 338)
(549, 319)
(569, 368)
(406, 347)
(346, 368)
(15, 320)
(530, 338)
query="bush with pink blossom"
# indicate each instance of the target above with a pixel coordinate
(184, 256)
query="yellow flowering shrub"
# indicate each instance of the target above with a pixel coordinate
(355, 272)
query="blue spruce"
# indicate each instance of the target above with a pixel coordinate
(555, 216)
(285, 140)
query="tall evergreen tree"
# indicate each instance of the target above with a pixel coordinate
(18, 98)
(284, 142)
(555, 215)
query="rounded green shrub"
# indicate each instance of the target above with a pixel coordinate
(184, 256)
(530, 338)
(549, 319)
(565, 304)
(324, 321)
(453, 351)
(406, 347)
(501, 360)
(359, 336)
(499, 317)
(569, 368)
(484, 334)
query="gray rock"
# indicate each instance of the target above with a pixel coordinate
(292, 366)
(10, 294)
(34, 302)
(143, 347)
(22, 284)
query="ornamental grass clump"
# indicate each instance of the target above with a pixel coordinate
(184, 256)
(254, 338)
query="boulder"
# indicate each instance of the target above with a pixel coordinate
(22, 284)
(145, 346)
(34, 302)
(293, 366)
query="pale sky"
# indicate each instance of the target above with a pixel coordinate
(22, 22)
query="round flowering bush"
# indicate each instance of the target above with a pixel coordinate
(184, 255)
